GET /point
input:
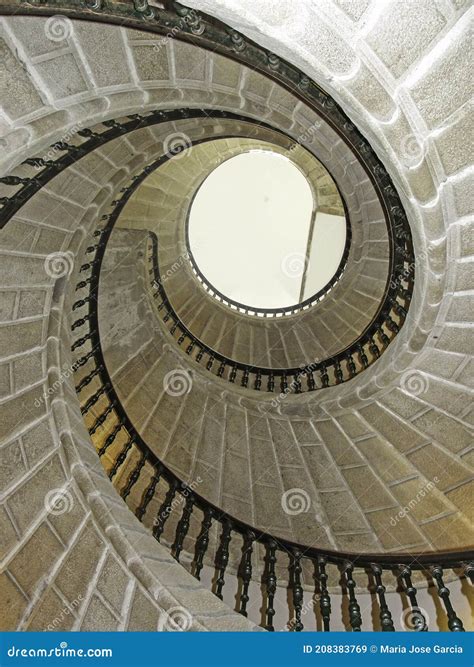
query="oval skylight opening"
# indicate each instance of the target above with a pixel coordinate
(257, 235)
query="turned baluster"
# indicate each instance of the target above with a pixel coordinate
(245, 571)
(258, 380)
(391, 325)
(373, 348)
(233, 374)
(338, 371)
(109, 439)
(469, 571)
(80, 341)
(221, 369)
(454, 623)
(245, 378)
(101, 418)
(270, 582)
(210, 362)
(324, 376)
(93, 399)
(80, 322)
(417, 621)
(362, 356)
(385, 615)
(351, 367)
(324, 600)
(311, 381)
(202, 542)
(183, 524)
(149, 493)
(355, 617)
(190, 347)
(88, 379)
(271, 382)
(283, 384)
(135, 474)
(165, 510)
(121, 457)
(222, 557)
(296, 588)
(383, 336)
(297, 383)
(200, 354)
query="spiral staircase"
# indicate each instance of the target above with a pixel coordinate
(173, 459)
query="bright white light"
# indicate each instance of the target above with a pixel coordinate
(248, 231)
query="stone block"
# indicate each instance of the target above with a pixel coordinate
(433, 462)
(38, 441)
(7, 305)
(395, 532)
(343, 514)
(105, 53)
(8, 536)
(23, 98)
(112, 583)
(385, 460)
(448, 432)
(340, 447)
(36, 558)
(32, 302)
(13, 602)
(12, 465)
(446, 85)
(98, 618)
(30, 499)
(20, 410)
(80, 564)
(369, 492)
(61, 76)
(144, 614)
(394, 430)
(456, 145)
(151, 63)
(51, 614)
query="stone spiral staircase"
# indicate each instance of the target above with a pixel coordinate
(102, 311)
